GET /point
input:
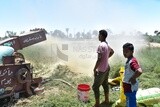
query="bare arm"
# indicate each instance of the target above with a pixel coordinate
(138, 72)
(111, 53)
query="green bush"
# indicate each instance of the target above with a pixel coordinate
(152, 38)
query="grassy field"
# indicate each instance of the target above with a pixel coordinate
(60, 94)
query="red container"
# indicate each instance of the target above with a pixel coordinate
(83, 92)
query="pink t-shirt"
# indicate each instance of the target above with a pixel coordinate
(104, 49)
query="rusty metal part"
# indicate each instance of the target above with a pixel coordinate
(8, 60)
(16, 76)
(8, 78)
(24, 40)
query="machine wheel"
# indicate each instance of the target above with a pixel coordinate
(22, 75)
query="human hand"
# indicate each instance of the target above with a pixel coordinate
(108, 69)
(132, 80)
(94, 70)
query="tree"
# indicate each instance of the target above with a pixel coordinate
(157, 32)
(70, 35)
(83, 35)
(78, 35)
(10, 33)
(22, 32)
(67, 30)
(95, 33)
(51, 33)
(88, 35)
(59, 33)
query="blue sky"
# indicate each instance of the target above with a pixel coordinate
(79, 15)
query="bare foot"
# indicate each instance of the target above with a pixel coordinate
(105, 102)
(96, 105)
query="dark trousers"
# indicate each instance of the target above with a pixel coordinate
(101, 78)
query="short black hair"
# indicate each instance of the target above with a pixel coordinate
(128, 46)
(103, 33)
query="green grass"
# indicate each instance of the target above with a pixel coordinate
(59, 94)
(149, 59)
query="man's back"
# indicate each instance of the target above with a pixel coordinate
(104, 50)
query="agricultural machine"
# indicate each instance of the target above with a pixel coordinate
(16, 75)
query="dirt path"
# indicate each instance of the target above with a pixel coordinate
(154, 45)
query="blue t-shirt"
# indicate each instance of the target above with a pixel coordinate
(5, 51)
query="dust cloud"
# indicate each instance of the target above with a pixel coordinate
(81, 56)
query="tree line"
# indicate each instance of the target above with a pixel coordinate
(82, 35)
(60, 34)
(153, 38)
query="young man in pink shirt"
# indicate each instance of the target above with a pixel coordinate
(101, 69)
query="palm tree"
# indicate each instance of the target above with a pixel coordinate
(67, 30)
(157, 33)
(10, 33)
(22, 32)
